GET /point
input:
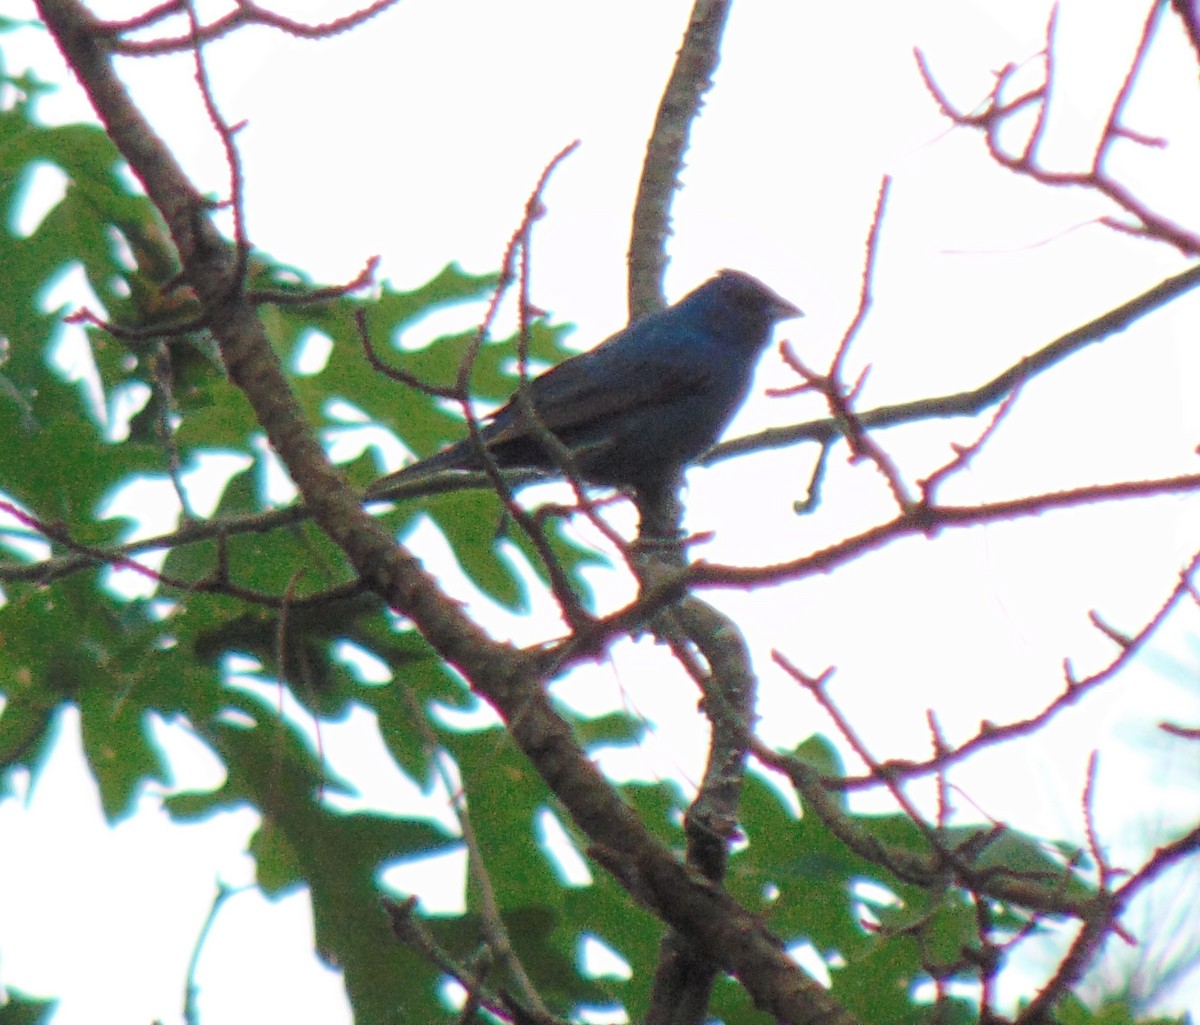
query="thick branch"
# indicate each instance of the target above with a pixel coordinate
(684, 978)
(731, 936)
(691, 78)
(210, 264)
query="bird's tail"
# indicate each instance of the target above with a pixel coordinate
(459, 456)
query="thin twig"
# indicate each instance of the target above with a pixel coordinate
(995, 115)
(491, 916)
(408, 928)
(968, 403)
(963, 454)
(1073, 692)
(866, 291)
(327, 293)
(191, 992)
(246, 13)
(975, 401)
(233, 159)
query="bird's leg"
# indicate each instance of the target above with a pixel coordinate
(659, 547)
(660, 531)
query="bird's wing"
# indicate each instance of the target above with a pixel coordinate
(575, 394)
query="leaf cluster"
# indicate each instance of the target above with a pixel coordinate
(146, 401)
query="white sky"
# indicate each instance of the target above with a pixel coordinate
(419, 138)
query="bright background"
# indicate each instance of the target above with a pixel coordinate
(419, 137)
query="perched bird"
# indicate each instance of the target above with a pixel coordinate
(640, 406)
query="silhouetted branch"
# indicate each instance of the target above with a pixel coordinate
(245, 13)
(975, 401)
(328, 293)
(929, 520)
(495, 931)
(1074, 690)
(408, 928)
(963, 454)
(508, 678)
(233, 160)
(831, 385)
(996, 114)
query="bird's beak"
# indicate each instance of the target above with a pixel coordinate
(781, 309)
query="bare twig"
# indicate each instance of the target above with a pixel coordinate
(328, 293)
(1074, 690)
(245, 13)
(840, 400)
(125, 333)
(930, 520)
(490, 914)
(963, 454)
(831, 385)
(569, 604)
(866, 292)
(1103, 872)
(996, 114)
(396, 373)
(191, 993)
(973, 402)
(233, 160)
(216, 582)
(408, 928)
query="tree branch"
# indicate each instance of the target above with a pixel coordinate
(971, 403)
(684, 978)
(691, 78)
(507, 678)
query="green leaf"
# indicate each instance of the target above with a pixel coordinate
(504, 794)
(338, 856)
(1072, 1011)
(71, 642)
(19, 1009)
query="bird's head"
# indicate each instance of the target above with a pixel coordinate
(751, 298)
(737, 309)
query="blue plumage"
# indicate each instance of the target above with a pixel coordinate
(644, 403)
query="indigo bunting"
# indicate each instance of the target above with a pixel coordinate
(640, 406)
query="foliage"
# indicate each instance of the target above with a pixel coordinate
(904, 920)
(123, 661)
